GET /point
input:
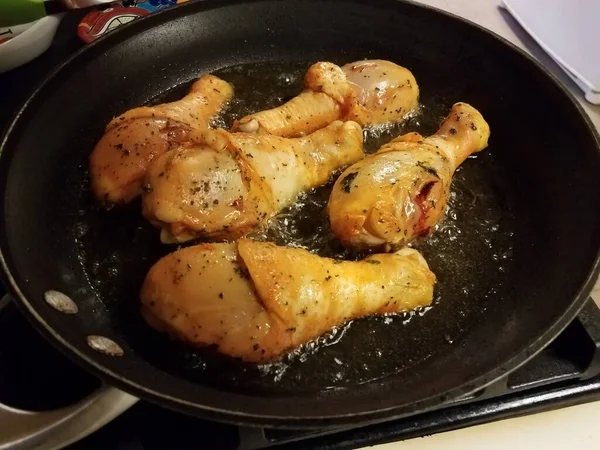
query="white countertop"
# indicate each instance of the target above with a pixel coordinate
(575, 427)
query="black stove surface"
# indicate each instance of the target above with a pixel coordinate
(565, 373)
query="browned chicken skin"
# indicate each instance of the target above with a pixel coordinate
(229, 183)
(255, 300)
(400, 192)
(133, 140)
(368, 92)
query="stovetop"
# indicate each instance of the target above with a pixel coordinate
(565, 373)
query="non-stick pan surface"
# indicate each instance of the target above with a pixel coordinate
(516, 256)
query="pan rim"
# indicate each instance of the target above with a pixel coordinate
(241, 417)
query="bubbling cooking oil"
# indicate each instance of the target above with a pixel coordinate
(470, 252)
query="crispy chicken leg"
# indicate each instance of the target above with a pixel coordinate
(368, 92)
(231, 182)
(255, 300)
(399, 193)
(119, 161)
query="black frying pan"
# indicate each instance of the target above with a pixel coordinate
(516, 258)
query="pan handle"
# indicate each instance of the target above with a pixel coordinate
(50, 430)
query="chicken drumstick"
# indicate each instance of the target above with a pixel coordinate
(400, 192)
(255, 300)
(231, 182)
(133, 140)
(368, 92)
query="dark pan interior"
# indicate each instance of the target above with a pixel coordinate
(520, 242)
(474, 241)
